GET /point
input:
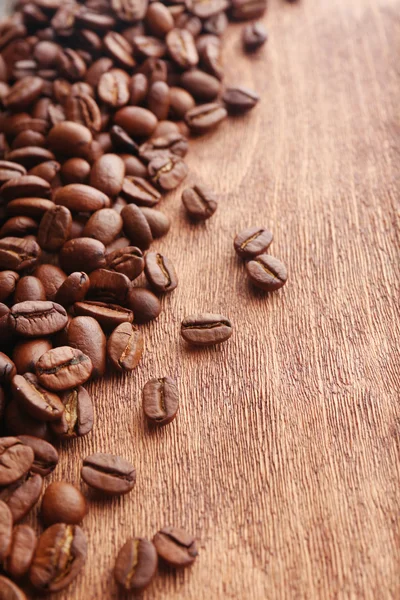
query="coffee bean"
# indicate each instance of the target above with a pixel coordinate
(45, 455)
(205, 117)
(30, 156)
(29, 288)
(27, 352)
(160, 272)
(26, 186)
(113, 88)
(70, 64)
(23, 93)
(189, 23)
(36, 319)
(70, 139)
(28, 138)
(160, 400)
(252, 242)
(63, 368)
(200, 202)
(85, 334)
(83, 109)
(201, 85)
(18, 254)
(180, 102)
(7, 368)
(206, 329)
(217, 24)
(108, 315)
(92, 19)
(111, 475)
(18, 422)
(239, 100)
(182, 48)
(107, 174)
(136, 564)
(8, 282)
(128, 260)
(167, 145)
(248, 9)
(22, 495)
(158, 99)
(6, 523)
(144, 304)
(267, 272)
(109, 286)
(159, 223)
(55, 228)
(139, 191)
(10, 170)
(167, 172)
(63, 503)
(22, 548)
(75, 170)
(175, 546)
(73, 289)
(104, 225)
(82, 252)
(125, 347)
(129, 11)
(52, 278)
(18, 227)
(158, 19)
(81, 198)
(35, 399)
(10, 591)
(47, 170)
(59, 556)
(77, 419)
(146, 46)
(206, 9)
(254, 36)
(119, 49)
(136, 121)
(34, 207)
(136, 227)
(211, 59)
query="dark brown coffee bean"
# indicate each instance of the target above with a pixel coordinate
(201, 85)
(27, 353)
(108, 315)
(175, 546)
(122, 142)
(158, 19)
(47, 170)
(7, 368)
(18, 227)
(252, 242)
(119, 49)
(63, 503)
(160, 272)
(164, 146)
(112, 475)
(52, 278)
(136, 227)
(34, 207)
(158, 99)
(136, 121)
(17, 254)
(36, 319)
(18, 422)
(15, 460)
(23, 93)
(128, 260)
(146, 46)
(160, 400)
(144, 304)
(8, 283)
(93, 19)
(96, 70)
(22, 495)
(107, 174)
(46, 456)
(206, 329)
(125, 347)
(83, 109)
(36, 400)
(248, 9)
(81, 198)
(30, 156)
(29, 288)
(205, 117)
(130, 11)
(85, 334)
(71, 65)
(217, 24)
(82, 252)
(182, 48)
(26, 186)
(267, 272)
(70, 139)
(189, 23)
(104, 225)
(28, 138)
(109, 286)
(211, 60)
(77, 419)
(74, 289)
(10, 170)
(9, 590)
(63, 368)
(22, 548)
(46, 54)
(159, 222)
(6, 524)
(180, 102)
(136, 564)
(55, 228)
(239, 100)
(75, 170)
(139, 191)
(113, 88)
(59, 556)
(167, 172)
(254, 36)
(200, 202)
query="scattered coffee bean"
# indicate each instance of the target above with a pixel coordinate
(252, 242)
(136, 226)
(27, 353)
(160, 400)
(22, 548)
(239, 99)
(128, 260)
(109, 474)
(160, 272)
(104, 225)
(77, 419)
(55, 228)
(200, 202)
(125, 347)
(144, 304)
(15, 460)
(167, 171)
(139, 191)
(159, 222)
(63, 503)
(206, 329)
(136, 564)
(267, 272)
(254, 36)
(35, 319)
(175, 546)
(45, 455)
(63, 368)
(201, 119)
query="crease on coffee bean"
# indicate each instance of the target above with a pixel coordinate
(264, 268)
(64, 548)
(71, 412)
(127, 349)
(41, 395)
(135, 559)
(161, 390)
(110, 471)
(70, 363)
(250, 239)
(175, 540)
(163, 269)
(207, 325)
(164, 169)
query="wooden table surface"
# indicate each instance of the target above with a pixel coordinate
(284, 457)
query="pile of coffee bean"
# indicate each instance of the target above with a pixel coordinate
(98, 100)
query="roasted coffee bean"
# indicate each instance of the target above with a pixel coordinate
(144, 304)
(167, 172)
(96, 70)
(28, 138)
(136, 564)
(9, 590)
(254, 36)
(206, 329)
(128, 260)
(85, 334)
(160, 272)
(22, 548)
(18, 227)
(109, 474)
(205, 117)
(252, 242)
(175, 546)
(46, 456)
(93, 19)
(77, 419)
(18, 254)
(158, 99)
(248, 9)
(201, 85)
(239, 100)
(29, 288)
(146, 46)
(139, 191)
(190, 23)
(104, 225)
(83, 109)
(180, 102)
(108, 315)
(34, 207)
(113, 88)
(36, 319)
(46, 54)
(63, 368)
(82, 252)
(74, 289)
(81, 198)
(211, 60)
(75, 170)
(22, 495)
(206, 9)
(6, 524)
(47, 170)
(18, 422)
(70, 139)
(160, 400)
(10, 170)
(107, 174)
(182, 48)
(136, 121)
(158, 19)
(129, 11)
(55, 228)
(35, 399)
(167, 145)
(200, 202)
(71, 65)
(267, 272)
(52, 278)
(7, 368)
(121, 242)
(125, 347)
(23, 93)
(26, 186)
(30, 156)
(27, 352)
(159, 222)
(119, 49)
(109, 286)
(59, 556)
(136, 227)
(138, 89)
(217, 24)
(8, 283)
(63, 503)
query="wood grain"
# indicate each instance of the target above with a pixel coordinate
(284, 457)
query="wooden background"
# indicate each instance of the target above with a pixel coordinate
(284, 457)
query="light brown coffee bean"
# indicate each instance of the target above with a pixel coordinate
(52, 278)
(63, 368)
(159, 222)
(182, 48)
(35, 399)
(82, 252)
(22, 548)
(113, 88)
(77, 419)
(200, 202)
(63, 503)
(201, 85)
(206, 329)
(252, 242)
(136, 227)
(119, 49)
(23, 93)
(17, 254)
(36, 318)
(180, 102)
(34, 207)
(81, 198)
(70, 139)
(125, 347)
(83, 109)
(160, 272)
(85, 334)
(109, 286)
(136, 563)
(127, 260)
(167, 171)
(160, 400)
(205, 117)
(158, 19)
(108, 315)
(175, 546)
(137, 121)
(267, 272)
(144, 304)
(139, 191)
(112, 475)
(107, 174)
(75, 170)
(26, 186)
